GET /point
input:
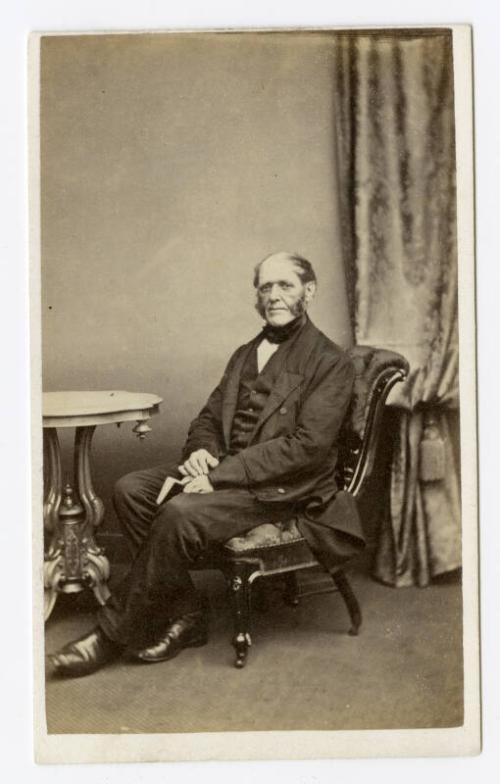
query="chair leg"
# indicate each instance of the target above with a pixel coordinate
(350, 600)
(240, 595)
(291, 592)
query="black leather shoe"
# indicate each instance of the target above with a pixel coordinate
(188, 631)
(85, 655)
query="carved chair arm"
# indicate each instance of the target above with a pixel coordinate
(380, 370)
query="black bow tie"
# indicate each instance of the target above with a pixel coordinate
(282, 333)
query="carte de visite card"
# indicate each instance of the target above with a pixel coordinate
(306, 194)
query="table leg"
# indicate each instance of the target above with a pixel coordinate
(73, 560)
(95, 565)
(54, 561)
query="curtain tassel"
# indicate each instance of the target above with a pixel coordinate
(432, 458)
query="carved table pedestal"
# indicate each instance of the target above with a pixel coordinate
(73, 560)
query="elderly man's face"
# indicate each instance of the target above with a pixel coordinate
(281, 295)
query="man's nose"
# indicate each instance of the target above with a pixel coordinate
(275, 292)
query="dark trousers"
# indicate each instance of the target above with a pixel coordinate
(166, 541)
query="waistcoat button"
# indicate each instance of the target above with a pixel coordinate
(281, 490)
(283, 410)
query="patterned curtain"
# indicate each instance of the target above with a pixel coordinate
(396, 156)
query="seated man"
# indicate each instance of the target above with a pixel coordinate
(264, 448)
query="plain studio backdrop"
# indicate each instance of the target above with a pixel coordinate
(170, 165)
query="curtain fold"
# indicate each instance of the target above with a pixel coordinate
(396, 158)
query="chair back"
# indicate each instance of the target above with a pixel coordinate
(377, 370)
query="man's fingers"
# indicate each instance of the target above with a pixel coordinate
(191, 468)
(204, 463)
(192, 487)
(199, 485)
(194, 461)
(187, 470)
(198, 464)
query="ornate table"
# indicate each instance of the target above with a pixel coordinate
(73, 560)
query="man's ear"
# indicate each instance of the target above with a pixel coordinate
(310, 290)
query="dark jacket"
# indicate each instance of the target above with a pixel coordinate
(292, 451)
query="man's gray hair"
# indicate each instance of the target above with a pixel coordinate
(303, 267)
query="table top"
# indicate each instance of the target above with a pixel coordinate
(74, 408)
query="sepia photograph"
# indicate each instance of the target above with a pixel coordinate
(253, 295)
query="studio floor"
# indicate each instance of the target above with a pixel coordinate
(304, 671)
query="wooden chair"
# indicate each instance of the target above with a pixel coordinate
(279, 548)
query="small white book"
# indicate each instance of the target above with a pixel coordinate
(167, 486)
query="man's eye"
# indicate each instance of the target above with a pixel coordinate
(264, 289)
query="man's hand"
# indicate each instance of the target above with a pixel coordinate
(198, 463)
(200, 484)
